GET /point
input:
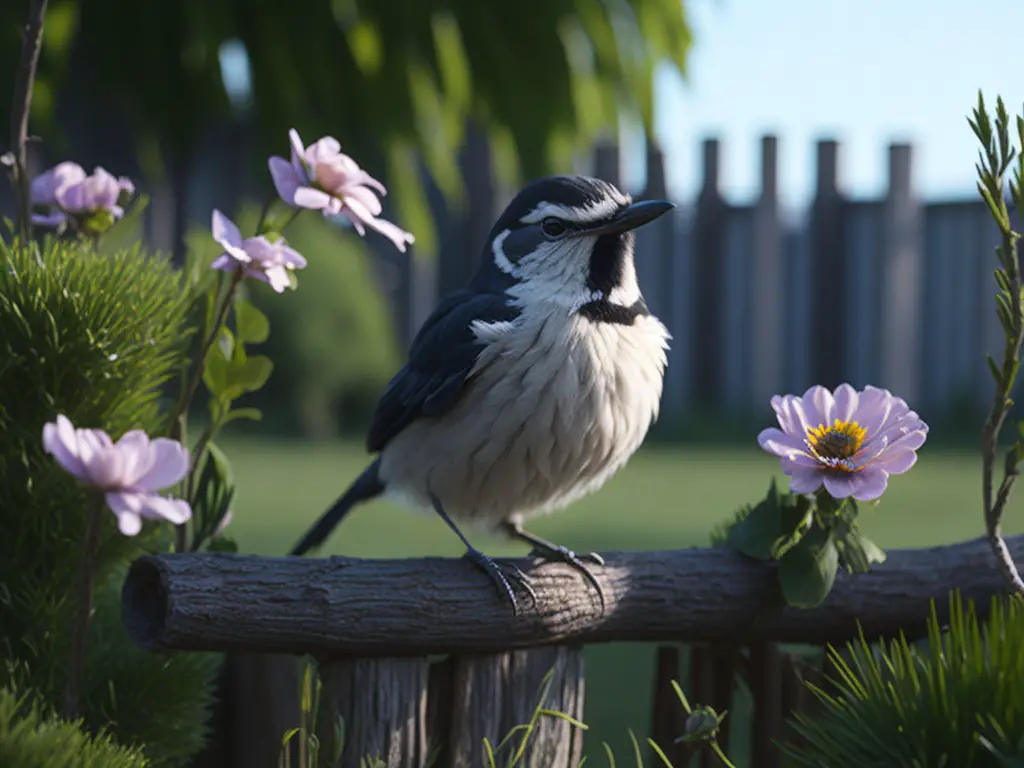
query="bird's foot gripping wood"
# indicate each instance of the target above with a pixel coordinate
(559, 554)
(504, 575)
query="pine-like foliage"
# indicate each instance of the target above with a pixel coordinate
(93, 337)
(30, 739)
(957, 702)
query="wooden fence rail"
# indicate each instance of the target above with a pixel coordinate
(373, 623)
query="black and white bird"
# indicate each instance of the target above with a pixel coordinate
(531, 387)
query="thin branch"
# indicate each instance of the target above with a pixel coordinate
(25, 77)
(343, 606)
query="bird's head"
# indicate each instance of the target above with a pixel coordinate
(567, 241)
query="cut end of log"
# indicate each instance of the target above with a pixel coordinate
(145, 603)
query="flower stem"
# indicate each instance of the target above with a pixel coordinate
(994, 507)
(721, 755)
(193, 384)
(76, 664)
(25, 77)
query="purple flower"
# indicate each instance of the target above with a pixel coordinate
(320, 177)
(851, 441)
(128, 472)
(67, 189)
(260, 258)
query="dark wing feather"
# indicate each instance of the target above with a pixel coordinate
(440, 359)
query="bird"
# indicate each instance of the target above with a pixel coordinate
(529, 388)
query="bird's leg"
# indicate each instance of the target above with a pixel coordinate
(504, 575)
(557, 553)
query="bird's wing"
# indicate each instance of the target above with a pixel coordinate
(440, 360)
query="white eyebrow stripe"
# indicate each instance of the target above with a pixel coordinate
(599, 209)
(500, 258)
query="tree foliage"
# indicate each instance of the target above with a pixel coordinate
(394, 80)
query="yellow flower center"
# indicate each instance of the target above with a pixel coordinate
(835, 445)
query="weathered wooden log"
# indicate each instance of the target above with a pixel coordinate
(339, 606)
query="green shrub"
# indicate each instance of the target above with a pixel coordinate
(29, 739)
(93, 337)
(957, 702)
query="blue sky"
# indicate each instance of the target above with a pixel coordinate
(865, 72)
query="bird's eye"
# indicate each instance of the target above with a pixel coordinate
(553, 228)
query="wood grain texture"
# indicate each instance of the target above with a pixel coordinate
(494, 693)
(371, 608)
(382, 704)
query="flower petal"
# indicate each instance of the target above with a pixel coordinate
(176, 511)
(314, 199)
(277, 278)
(60, 441)
(125, 507)
(286, 179)
(778, 442)
(895, 462)
(846, 400)
(49, 220)
(802, 479)
(169, 465)
(818, 402)
(224, 231)
(866, 485)
(296, 145)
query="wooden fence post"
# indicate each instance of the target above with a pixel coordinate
(708, 268)
(901, 280)
(494, 693)
(383, 707)
(767, 281)
(828, 283)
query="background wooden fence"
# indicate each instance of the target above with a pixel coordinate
(895, 292)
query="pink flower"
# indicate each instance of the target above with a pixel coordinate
(67, 189)
(320, 177)
(850, 441)
(261, 259)
(128, 472)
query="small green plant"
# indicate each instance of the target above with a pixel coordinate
(956, 702)
(32, 738)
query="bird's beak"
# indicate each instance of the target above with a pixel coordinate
(632, 217)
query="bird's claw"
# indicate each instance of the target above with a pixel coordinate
(562, 554)
(504, 575)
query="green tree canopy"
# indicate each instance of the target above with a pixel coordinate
(391, 79)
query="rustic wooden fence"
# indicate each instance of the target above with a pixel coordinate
(375, 625)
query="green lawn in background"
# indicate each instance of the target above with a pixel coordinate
(665, 498)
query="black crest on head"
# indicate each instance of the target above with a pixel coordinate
(570, 191)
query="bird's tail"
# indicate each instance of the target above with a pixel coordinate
(365, 487)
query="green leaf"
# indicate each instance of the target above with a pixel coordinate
(251, 325)
(216, 365)
(994, 369)
(253, 374)
(250, 414)
(222, 544)
(808, 570)
(856, 551)
(772, 526)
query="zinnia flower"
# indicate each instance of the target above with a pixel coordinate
(128, 472)
(68, 189)
(851, 441)
(320, 177)
(261, 259)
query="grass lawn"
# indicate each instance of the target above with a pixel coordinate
(665, 498)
